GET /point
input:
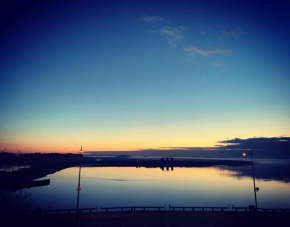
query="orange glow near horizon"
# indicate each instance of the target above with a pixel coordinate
(130, 139)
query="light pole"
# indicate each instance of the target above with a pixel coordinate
(79, 183)
(256, 189)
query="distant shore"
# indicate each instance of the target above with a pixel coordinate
(159, 162)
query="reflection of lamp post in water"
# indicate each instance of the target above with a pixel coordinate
(79, 183)
(256, 189)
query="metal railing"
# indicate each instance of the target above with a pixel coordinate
(274, 210)
(133, 208)
(202, 209)
(64, 211)
(240, 209)
(39, 211)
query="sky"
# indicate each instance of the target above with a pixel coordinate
(129, 75)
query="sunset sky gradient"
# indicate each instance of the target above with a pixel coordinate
(127, 75)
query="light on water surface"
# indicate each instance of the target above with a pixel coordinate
(130, 186)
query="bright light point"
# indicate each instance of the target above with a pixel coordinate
(244, 154)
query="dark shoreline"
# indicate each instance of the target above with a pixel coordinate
(161, 163)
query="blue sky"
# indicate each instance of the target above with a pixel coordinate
(132, 75)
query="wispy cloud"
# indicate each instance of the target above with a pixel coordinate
(208, 51)
(231, 33)
(148, 18)
(174, 34)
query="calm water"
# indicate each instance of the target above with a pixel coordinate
(129, 186)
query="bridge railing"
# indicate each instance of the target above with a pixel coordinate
(202, 209)
(39, 211)
(64, 211)
(133, 208)
(240, 209)
(274, 210)
(249, 209)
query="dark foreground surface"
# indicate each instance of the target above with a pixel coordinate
(156, 219)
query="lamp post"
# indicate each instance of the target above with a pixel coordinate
(79, 182)
(256, 189)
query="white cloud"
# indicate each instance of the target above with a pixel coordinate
(148, 18)
(173, 34)
(232, 33)
(208, 51)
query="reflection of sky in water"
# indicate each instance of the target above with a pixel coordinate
(126, 186)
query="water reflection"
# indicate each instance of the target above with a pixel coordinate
(266, 171)
(130, 186)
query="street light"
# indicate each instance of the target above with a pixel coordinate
(256, 189)
(79, 183)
